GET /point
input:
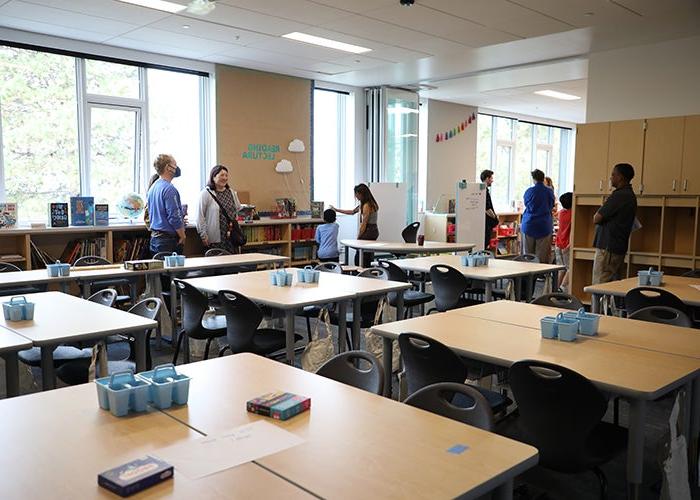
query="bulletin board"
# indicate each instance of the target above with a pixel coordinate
(470, 211)
(257, 115)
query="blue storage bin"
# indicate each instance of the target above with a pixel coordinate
(567, 328)
(587, 322)
(54, 270)
(166, 386)
(18, 309)
(179, 260)
(273, 278)
(548, 327)
(63, 269)
(301, 275)
(122, 392)
(171, 260)
(650, 277)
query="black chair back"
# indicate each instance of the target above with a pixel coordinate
(437, 398)
(561, 300)
(91, 260)
(370, 303)
(7, 267)
(349, 368)
(646, 296)
(448, 286)
(194, 305)
(695, 273)
(394, 272)
(427, 362)
(662, 314)
(527, 257)
(214, 252)
(150, 309)
(410, 232)
(558, 410)
(329, 267)
(106, 297)
(243, 316)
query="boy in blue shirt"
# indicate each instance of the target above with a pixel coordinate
(327, 238)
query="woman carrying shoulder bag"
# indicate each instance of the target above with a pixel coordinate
(216, 217)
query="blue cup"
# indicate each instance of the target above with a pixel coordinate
(548, 327)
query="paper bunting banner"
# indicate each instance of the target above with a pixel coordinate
(449, 134)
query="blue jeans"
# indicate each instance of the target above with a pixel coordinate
(165, 244)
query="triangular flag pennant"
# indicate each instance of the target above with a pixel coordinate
(462, 126)
(437, 137)
(470, 120)
(473, 116)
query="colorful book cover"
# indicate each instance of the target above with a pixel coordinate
(8, 215)
(58, 214)
(279, 405)
(82, 211)
(316, 209)
(102, 214)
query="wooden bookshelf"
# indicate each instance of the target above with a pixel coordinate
(18, 241)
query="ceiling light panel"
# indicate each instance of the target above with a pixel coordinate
(557, 95)
(158, 5)
(326, 42)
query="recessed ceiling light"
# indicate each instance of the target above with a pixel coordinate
(557, 95)
(158, 5)
(589, 14)
(185, 26)
(326, 42)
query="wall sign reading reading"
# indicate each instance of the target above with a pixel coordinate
(261, 152)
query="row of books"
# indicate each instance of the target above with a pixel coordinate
(256, 234)
(307, 252)
(81, 248)
(131, 249)
(267, 250)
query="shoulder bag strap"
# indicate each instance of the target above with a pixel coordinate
(223, 209)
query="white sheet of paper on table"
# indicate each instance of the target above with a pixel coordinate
(697, 287)
(211, 454)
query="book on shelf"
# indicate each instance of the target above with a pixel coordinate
(286, 208)
(39, 257)
(101, 214)
(82, 211)
(8, 215)
(317, 209)
(130, 249)
(259, 234)
(58, 214)
(82, 248)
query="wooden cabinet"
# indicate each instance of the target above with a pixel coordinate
(626, 146)
(591, 166)
(690, 164)
(663, 152)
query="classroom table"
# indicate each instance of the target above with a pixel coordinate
(400, 247)
(638, 375)
(61, 318)
(10, 344)
(683, 288)
(331, 288)
(356, 444)
(56, 443)
(497, 269)
(215, 262)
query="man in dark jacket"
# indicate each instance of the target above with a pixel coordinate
(491, 217)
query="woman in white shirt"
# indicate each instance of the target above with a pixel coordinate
(212, 224)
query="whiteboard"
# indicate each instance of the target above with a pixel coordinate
(470, 211)
(392, 198)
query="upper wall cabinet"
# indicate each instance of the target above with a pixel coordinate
(690, 166)
(663, 152)
(591, 168)
(626, 146)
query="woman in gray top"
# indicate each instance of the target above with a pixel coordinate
(368, 209)
(212, 224)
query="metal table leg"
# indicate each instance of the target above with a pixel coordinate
(347, 255)
(342, 325)
(488, 291)
(289, 329)
(694, 436)
(595, 303)
(399, 306)
(635, 447)
(48, 378)
(11, 374)
(504, 491)
(173, 312)
(356, 326)
(387, 359)
(140, 348)
(530, 287)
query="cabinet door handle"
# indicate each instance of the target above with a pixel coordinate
(685, 185)
(673, 187)
(600, 185)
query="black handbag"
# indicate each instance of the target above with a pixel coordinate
(234, 231)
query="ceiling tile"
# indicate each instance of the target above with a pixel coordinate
(360, 62)
(398, 54)
(439, 46)
(191, 44)
(66, 19)
(208, 30)
(286, 46)
(303, 11)
(50, 29)
(372, 29)
(252, 21)
(108, 9)
(357, 6)
(156, 47)
(574, 11)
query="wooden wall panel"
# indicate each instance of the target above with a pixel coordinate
(253, 107)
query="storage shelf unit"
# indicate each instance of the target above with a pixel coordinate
(18, 241)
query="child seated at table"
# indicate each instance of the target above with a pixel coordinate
(327, 238)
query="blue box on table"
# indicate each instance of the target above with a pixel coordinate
(135, 476)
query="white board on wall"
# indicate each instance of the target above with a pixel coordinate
(392, 198)
(470, 211)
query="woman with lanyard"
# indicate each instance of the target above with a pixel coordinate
(368, 210)
(218, 206)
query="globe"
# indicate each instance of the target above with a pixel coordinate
(131, 205)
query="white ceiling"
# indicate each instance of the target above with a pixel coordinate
(491, 53)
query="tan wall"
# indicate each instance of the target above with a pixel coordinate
(254, 107)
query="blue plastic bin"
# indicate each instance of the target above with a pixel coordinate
(548, 327)
(650, 277)
(18, 309)
(179, 260)
(567, 328)
(122, 392)
(171, 260)
(587, 322)
(166, 386)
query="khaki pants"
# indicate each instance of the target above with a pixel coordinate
(542, 247)
(606, 266)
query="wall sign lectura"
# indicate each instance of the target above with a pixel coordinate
(261, 152)
(446, 136)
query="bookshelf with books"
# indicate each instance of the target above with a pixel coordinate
(505, 239)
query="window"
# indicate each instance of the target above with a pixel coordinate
(513, 148)
(334, 127)
(76, 126)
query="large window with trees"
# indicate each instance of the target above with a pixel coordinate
(513, 148)
(74, 126)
